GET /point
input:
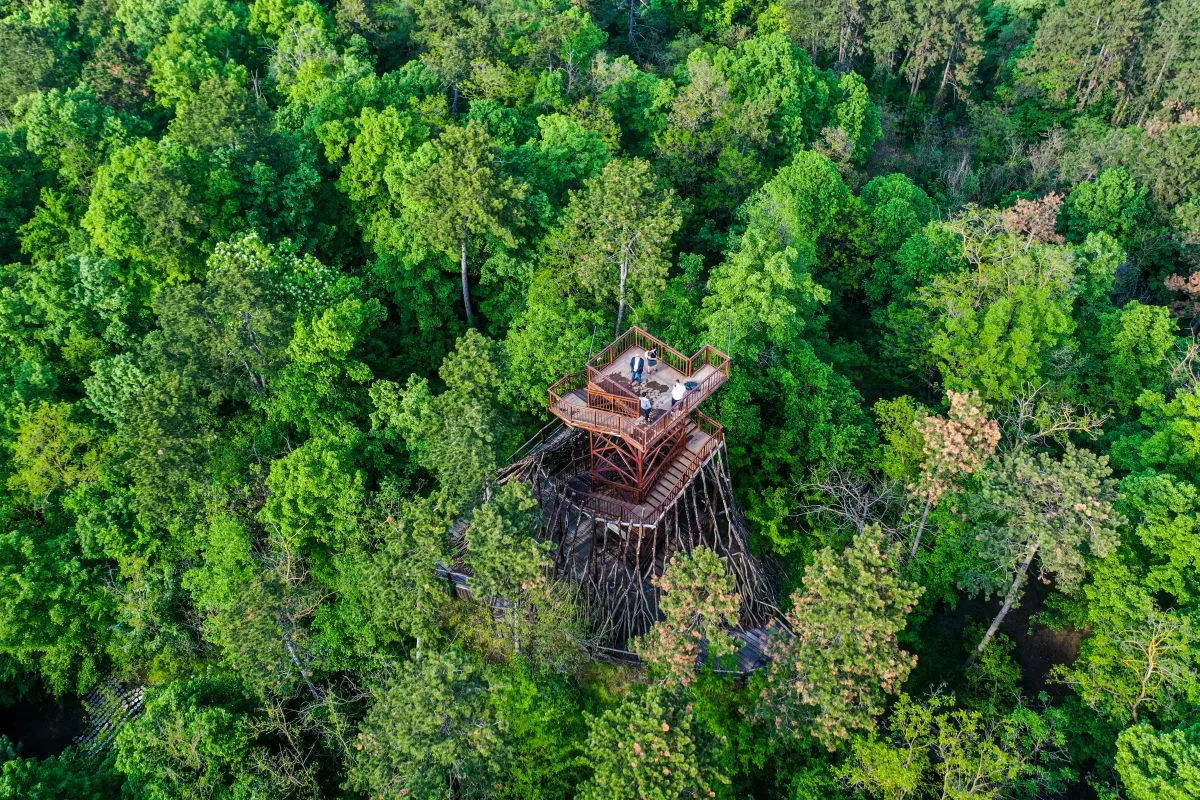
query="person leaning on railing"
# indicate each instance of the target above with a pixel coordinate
(677, 393)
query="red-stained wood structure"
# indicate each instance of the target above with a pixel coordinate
(638, 460)
(621, 494)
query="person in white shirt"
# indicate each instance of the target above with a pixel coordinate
(677, 392)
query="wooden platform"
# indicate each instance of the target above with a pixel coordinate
(604, 399)
(658, 382)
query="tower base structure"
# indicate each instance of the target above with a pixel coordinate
(615, 550)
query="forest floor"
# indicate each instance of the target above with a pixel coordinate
(1037, 648)
(42, 728)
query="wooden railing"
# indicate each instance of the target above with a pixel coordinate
(709, 425)
(636, 337)
(613, 407)
(644, 513)
(672, 454)
(716, 435)
(566, 385)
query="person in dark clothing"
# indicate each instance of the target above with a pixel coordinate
(652, 359)
(637, 365)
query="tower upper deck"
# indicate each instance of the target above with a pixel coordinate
(603, 398)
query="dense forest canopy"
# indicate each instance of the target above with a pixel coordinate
(284, 283)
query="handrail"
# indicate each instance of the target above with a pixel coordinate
(709, 425)
(694, 397)
(636, 335)
(610, 406)
(603, 401)
(672, 454)
(696, 462)
(609, 385)
(566, 384)
(601, 411)
(646, 513)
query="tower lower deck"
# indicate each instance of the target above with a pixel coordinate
(614, 550)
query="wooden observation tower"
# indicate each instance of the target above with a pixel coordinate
(622, 493)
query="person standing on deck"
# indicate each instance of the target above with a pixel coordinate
(647, 406)
(637, 365)
(652, 359)
(677, 392)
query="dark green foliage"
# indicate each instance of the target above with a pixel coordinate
(283, 284)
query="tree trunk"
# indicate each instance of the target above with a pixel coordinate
(921, 527)
(947, 71)
(289, 645)
(1156, 87)
(621, 294)
(1014, 592)
(462, 262)
(632, 4)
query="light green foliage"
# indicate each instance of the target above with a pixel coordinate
(834, 665)
(905, 445)
(932, 749)
(1165, 510)
(744, 110)
(552, 337)
(614, 235)
(70, 310)
(567, 152)
(52, 452)
(204, 37)
(699, 605)
(233, 329)
(451, 434)
(1059, 509)
(303, 37)
(896, 208)
(538, 617)
(71, 132)
(147, 21)
(194, 738)
(1081, 49)
(144, 209)
(546, 728)
(318, 385)
(455, 195)
(316, 494)
(1139, 342)
(1170, 435)
(70, 774)
(55, 617)
(504, 555)
(400, 587)
(1169, 67)
(998, 323)
(1128, 673)
(645, 748)
(1113, 204)
(240, 604)
(430, 732)
(791, 408)
(1158, 765)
